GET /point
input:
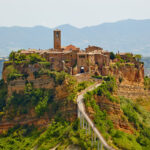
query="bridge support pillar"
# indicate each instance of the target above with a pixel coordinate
(98, 145)
(83, 122)
(86, 126)
(94, 138)
(79, 113)
(101, 146)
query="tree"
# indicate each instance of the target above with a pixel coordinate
(12, 56)
(112, 55)
(138, 57)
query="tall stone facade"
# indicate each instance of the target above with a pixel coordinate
(57, 39)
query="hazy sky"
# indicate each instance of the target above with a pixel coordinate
(79, 13)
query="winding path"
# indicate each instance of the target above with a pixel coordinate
(85, 119)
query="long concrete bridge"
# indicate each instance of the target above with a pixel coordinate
(87, 124)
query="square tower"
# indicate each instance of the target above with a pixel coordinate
(57, 39)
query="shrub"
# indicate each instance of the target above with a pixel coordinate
(97, 76)
(3, 95)
(17, 57)
(112, 55)
(41, 107)
(12, 73)
(147, 83)
(60, 77)
(45, 64)
(126, 141)
(83, 85)
(138, 57)
(35, 58)
(13, 76)
(12, 56)
(120, 79)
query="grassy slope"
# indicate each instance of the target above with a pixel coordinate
(136, 115)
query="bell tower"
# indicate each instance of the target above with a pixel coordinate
(57, 39)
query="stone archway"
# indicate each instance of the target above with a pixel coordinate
(82, 69)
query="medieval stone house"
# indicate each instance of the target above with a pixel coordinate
(73, 60)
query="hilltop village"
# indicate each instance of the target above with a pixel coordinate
(93, 59)
(71, 59)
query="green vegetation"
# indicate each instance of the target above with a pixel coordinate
(59, 133)
(40, 99)
(112, 55)
(129, 56)
(147, 83)
(137, 117)
(31, 98)
(17, 58)
(12, 73)
(97, 76)
(58, 77)
(35, 58)
(45, 64)
(141, 120)
(138, 57)
(3, 96)
(83, 85)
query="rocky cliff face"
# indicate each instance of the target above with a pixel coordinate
(23, 68)
(19, 84)
(133, 91)
(60, 106)
(129, 73)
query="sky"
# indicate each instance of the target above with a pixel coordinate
(79, 13)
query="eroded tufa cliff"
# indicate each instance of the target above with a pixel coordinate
(38, 97)
(130, 73)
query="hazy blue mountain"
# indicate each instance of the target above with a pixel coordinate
(127, 35)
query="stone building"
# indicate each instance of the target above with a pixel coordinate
(73, 60)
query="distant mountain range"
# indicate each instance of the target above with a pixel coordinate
(124, 36)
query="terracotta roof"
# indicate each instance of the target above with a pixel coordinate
(70, 48)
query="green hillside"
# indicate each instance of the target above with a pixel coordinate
(62, 133)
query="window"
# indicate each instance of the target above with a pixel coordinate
(82, 56)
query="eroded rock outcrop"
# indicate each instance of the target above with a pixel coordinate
(60, 105)
(129, 73)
